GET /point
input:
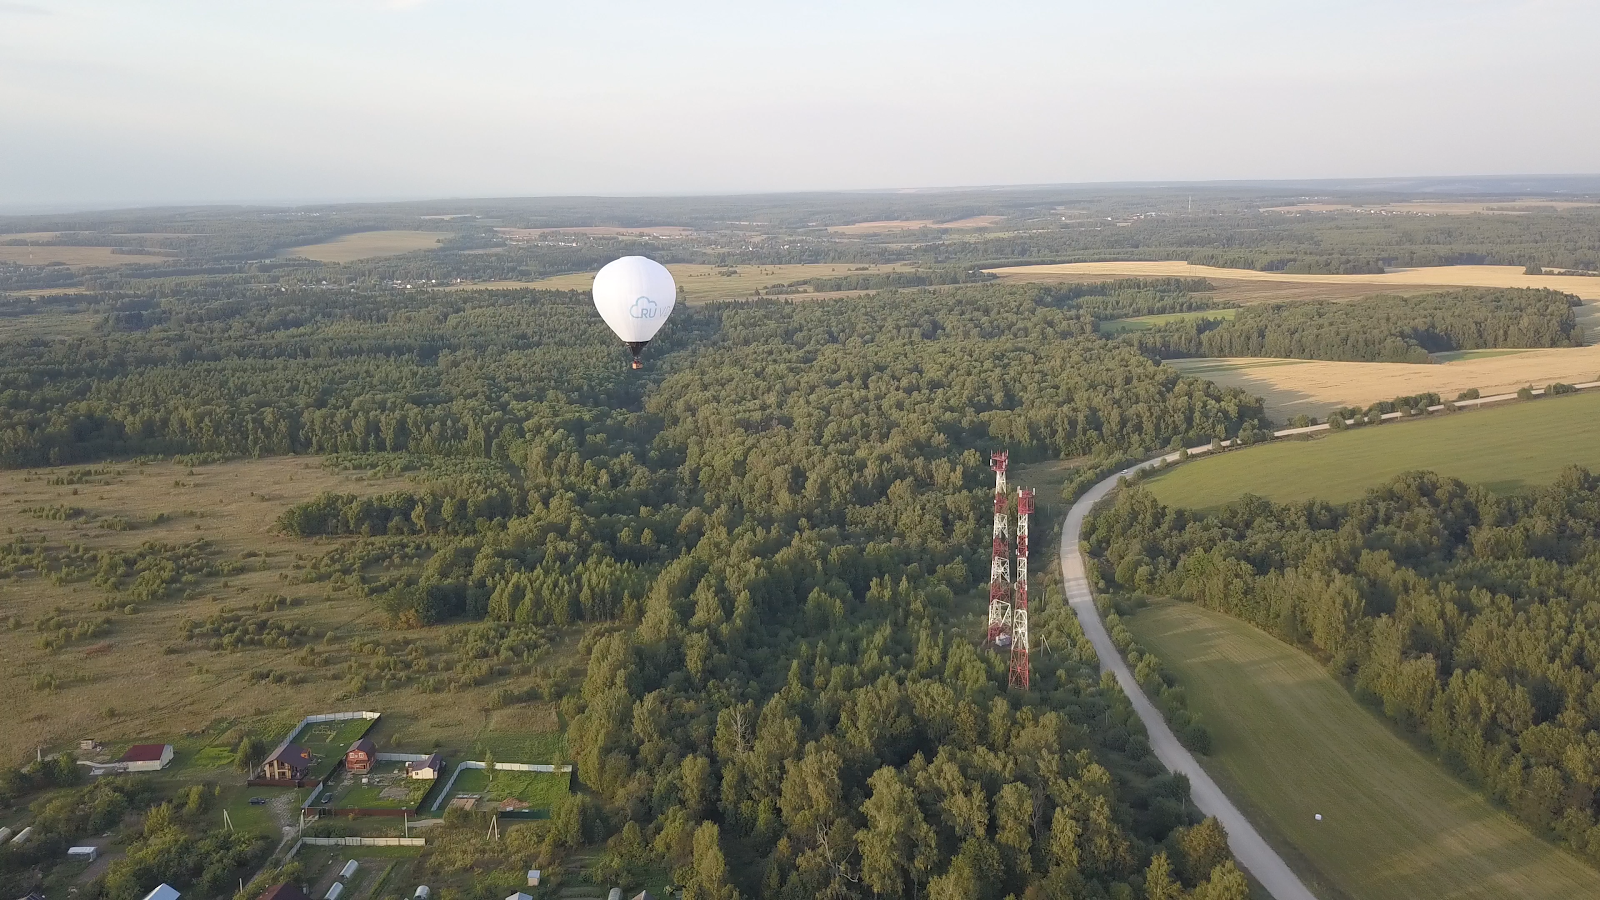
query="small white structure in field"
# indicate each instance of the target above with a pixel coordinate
(519, 896)
(349, 869)
(87, 854)
(23, 835)
(5, 835)
(422, 892)
(147, 757)
(616, 894)
(533, 878)
(162, 891)
(1319, 817)
(335, 891)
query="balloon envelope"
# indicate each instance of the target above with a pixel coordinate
(635, 295)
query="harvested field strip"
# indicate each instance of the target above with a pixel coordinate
(1314, 387)
(1443, 276)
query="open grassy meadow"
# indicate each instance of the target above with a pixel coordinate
(1313, 387)
(540, 790)
(890, 226)
(1290, 743)
(703, 284)
(1504, 447)
(43, 255)
(83, 662)
(368, 244)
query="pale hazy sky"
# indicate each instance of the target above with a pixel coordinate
(143, 101)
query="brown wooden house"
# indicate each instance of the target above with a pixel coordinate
(361, 756)
(292, 763)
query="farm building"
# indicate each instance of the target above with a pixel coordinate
(147, 757)
(85, 853)
(519, 896)
(428, 769)
(360, 757)
(289, 764)
(162, 891)
(644, 895)
(285, 891)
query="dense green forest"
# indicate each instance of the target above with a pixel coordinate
(1466, 615)
(773, 541)
(1376, 329)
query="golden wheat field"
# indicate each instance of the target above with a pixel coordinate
(1295, 386)
(1587, 288)
(368, 244)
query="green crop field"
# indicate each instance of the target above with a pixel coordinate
(540, 790)
(1505, 448)
(1144, 323)
(1290, 742)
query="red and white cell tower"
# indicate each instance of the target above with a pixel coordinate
(1019, 610)
(999, 570)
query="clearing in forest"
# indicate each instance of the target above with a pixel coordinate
(1506, 448)
(45, 254)
(1289, 743)
(240, 640)
(1313, 387)
(368, 244)
(704, 284)
(888, 226)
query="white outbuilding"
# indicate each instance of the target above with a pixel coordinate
(162, 891)
(348, 870)
(147, 758)
(335, 891)
(86, 854)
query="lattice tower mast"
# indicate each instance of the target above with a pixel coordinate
(999, 569)
(1019, 611)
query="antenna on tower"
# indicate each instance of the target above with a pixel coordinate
(1019, 611)
(999, 633)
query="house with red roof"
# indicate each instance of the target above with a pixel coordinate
(146, 758)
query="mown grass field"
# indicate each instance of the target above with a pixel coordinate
(704, 284)
(540, 790)
(1145, 323)
(1505, 448)
(368, 244)
(1290, 743)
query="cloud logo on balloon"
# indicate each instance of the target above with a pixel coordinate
(644, 308)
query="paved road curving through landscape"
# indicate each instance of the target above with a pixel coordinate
(1247, 844)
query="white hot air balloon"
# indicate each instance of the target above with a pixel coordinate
(635, 295)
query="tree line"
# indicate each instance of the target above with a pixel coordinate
(1376, 329)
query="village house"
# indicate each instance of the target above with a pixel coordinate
(426, 770)
(147, 757)
(291, 763)
(360, 757)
